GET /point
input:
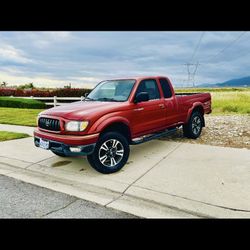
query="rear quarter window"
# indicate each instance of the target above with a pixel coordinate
(165, 88)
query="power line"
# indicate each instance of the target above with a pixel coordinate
(197, 46)
(227, 46)
(230, 44)
(191, 74)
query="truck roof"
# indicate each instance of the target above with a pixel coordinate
(138, 77)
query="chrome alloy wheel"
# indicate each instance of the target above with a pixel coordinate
(196, 125)
(111, 152)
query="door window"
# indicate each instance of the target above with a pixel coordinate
(149, 86)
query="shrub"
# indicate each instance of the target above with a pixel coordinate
(21, 103)
(66, 92)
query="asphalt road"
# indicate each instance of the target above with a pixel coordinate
(22, 200)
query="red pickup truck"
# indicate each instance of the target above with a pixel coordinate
(118, 113)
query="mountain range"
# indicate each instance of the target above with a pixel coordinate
(239, 82)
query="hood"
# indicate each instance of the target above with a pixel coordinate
(80, 110)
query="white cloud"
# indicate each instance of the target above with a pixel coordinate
(43, 40)
(10, 53)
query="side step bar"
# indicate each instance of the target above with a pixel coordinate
(150, 137)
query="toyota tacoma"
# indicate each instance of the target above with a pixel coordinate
(116, 114)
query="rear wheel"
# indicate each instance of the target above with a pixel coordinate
(194, 126)
(111, 153)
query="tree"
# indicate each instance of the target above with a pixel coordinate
(27, 86)
(4, 84)
(30, 85)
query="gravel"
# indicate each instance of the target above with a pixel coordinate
(222, 130)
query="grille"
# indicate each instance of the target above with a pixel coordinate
(49, 124)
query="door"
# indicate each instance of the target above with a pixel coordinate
(148, 116)
(170, 103)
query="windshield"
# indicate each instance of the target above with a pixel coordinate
(112, 90)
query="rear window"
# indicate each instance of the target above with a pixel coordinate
(165, 88)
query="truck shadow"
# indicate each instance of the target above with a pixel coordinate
(141, 156)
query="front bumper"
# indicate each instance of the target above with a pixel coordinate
(76, 140)
(60, 147)
(62, 143)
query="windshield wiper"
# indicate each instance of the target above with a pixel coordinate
(89, 99)
(107, 99)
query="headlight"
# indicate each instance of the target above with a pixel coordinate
(76, 126)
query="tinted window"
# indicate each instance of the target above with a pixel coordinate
(149, 86)
(165, 88)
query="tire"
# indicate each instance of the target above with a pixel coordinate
(194, 126)
(58, 154)
(105, 158)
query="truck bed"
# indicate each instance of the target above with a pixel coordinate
(186, 100)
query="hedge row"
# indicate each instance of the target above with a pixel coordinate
(21, 103)
(73, 92)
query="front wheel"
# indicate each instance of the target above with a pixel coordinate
(194, 126)
(111, 153)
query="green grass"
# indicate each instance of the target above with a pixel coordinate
(21, 103)
(6, 136)
(231, 102)
(17, 116)
(226, 100)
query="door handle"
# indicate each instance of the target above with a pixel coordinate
(162, 106)
(139, 109)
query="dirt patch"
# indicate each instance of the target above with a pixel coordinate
(222, 130)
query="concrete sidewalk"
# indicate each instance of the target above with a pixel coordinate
(16, 128)
(161, 179)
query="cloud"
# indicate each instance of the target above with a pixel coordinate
(10, 54)
(58, 58)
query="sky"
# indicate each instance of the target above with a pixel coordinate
(55, 59)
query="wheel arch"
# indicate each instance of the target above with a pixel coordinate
(115, 124)
(198, 106)
(118, 126)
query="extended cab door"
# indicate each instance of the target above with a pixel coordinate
(170, 103)
(148, 116)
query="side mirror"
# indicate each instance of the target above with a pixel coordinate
(141, 97)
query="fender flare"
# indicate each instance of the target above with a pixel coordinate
(107, 120)
(190, 110)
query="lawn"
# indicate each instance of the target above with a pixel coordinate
(18, 116)
(227, 100)
(5, 136)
